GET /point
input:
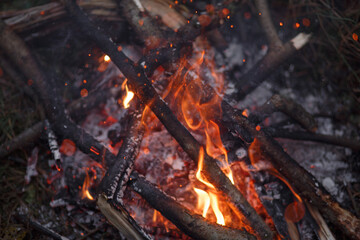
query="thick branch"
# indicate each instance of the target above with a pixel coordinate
(142, 87)
(305, 184)
(286, 106)
(194, 225)
(85, 142)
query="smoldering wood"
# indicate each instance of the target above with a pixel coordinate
(113, 183)
(142, 87)
(61, 123)
(194, 225)
(84, 141)
(304, 183)
(286, 106)
(75, 110)
(266, 66)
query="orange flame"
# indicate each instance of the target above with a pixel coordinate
(203, 201)
(294, 211)
(129, 96)
(206, 199)
(85, 188)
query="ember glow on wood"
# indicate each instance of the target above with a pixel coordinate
(159, 126)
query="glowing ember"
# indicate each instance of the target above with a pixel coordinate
(107, 58)
(68, 147)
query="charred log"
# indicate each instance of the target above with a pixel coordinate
(142, 87)
(86, 143)
(306, 185)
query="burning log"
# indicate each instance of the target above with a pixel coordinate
(142, 87)
(194, 225)
(277, 54)
(65, 127)
(303, 181)
(113, 184)
(305, 184)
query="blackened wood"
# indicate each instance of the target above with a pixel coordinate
(60, 122)
(143, 88)
(121, 219)
(286, 106)
(113, 183)
(314, 137)
(304, 183)
(194, 225)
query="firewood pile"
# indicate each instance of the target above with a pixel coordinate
(159, 119)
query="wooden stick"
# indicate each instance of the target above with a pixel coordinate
(65, 127)
(142, 87)
(37, 226)
(305, 184)
(286, 106)
(277, 54)
(314, 137)
(22, 140)
(194, 225)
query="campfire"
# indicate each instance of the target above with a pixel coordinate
(163, 126)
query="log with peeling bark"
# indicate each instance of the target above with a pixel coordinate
(63, 126)
(278, 53)
(142, 87)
